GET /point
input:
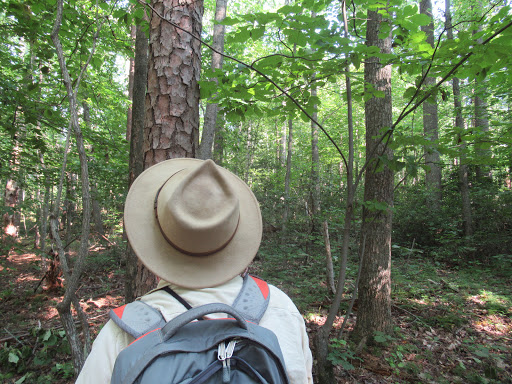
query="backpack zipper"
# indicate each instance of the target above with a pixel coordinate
(224, 354)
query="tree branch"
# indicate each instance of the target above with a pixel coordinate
(281, 89)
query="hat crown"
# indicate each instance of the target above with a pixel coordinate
(198, 211)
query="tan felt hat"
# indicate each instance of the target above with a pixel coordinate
(192, 223)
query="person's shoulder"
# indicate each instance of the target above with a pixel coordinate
(279, 299)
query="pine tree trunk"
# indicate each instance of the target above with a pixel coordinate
(374, 308)
(172, 100)
(171, 128)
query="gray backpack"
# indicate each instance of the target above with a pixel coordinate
(231, 350)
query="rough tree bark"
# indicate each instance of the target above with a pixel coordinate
(374, 303)
(171, 127)
(212, 109)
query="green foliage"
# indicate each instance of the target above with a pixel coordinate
(49, 345)
(440, 233)
(342, 354)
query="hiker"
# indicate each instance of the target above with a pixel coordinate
(197, 227)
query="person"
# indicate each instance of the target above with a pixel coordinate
(197, 227)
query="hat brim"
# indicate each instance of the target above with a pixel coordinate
(167, 262)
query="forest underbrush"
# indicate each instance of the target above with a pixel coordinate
(453, 323)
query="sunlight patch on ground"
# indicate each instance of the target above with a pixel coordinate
(316, 318)
(493, 325)
(486, 297)
(50, 313)
(24, 258)
(107, 301)
(418, 301)
(26, 277)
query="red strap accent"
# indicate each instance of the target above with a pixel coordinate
(147, 333)
(119, 311)
(262, 285)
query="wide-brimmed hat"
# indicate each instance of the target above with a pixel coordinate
(192, 222)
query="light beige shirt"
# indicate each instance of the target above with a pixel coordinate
(281, 317)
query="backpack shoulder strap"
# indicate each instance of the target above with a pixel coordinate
(252, 300)
(137, 318)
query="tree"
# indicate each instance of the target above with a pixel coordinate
(78, 350)
(430, 120)
(211, 126)
(171, 126)
(463, 170)
(135, 166)
(374, 308)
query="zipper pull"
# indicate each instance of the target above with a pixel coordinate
(221, 355)
(224, 354)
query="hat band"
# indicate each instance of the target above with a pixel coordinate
(155, 206)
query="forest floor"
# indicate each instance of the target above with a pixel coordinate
(452, 325)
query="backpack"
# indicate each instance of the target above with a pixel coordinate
(230, 350)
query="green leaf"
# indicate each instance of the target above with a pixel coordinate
(409, 93)
(483, 352)
(13, 358)
(274, 61)
(420, 19)
(105, 6)
(229, 21)
(257, 32)
(242, 36)
(207, 88)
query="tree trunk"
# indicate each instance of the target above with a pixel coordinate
(96, 208)
(325, 369)
(374, 305)
(315, 171)
(11, 223)
(328, 259)
(218, 144)
(430, 122)
(78, 350)
(482, 126)
(136, 166)
(131, 74)
(282, 146)
(212, 109)
(287, 179)
(171, 126)
(459, 123)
